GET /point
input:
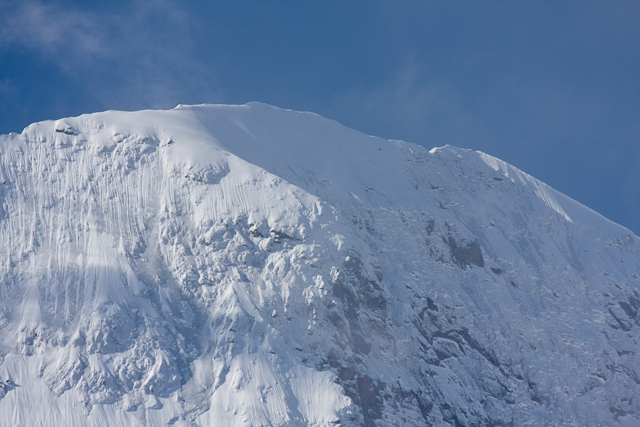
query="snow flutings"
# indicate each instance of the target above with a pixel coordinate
(247, 265)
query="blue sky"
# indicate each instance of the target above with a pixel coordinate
(552, 87)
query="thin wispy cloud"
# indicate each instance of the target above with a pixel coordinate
(412, 104)
(6, 87)
(139, 57)
(54, 32)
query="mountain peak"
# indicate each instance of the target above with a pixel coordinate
(249, 265)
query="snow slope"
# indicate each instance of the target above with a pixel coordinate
(247, 265)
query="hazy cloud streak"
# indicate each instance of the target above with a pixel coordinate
(140, 57)
(415, 107)
(55, 33)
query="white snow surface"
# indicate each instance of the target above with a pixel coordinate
(246, 265)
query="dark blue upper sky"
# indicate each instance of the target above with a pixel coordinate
(552, 87)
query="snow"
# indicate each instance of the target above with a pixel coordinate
(248, 265)
(543, 191)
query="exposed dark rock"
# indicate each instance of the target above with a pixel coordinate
(465, 255)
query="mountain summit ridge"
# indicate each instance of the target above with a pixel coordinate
(248, 265)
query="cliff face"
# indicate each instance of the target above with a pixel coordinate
(246, 265)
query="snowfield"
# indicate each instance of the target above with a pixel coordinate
(252, 266)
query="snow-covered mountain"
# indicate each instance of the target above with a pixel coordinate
(251, 266)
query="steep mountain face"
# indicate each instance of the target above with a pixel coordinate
(248, 266)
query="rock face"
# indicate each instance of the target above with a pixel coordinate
(246, 265)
